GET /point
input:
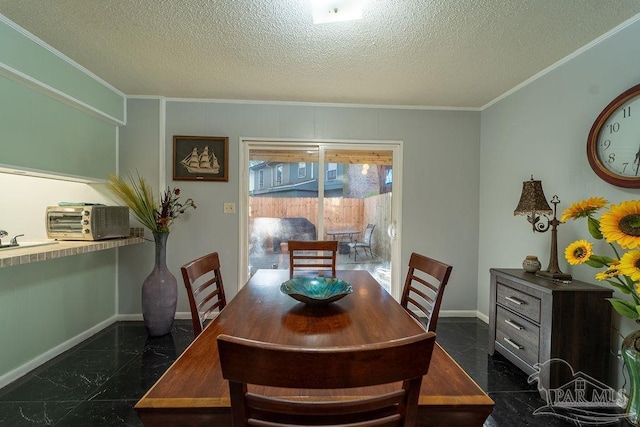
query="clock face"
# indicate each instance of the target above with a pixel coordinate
(613, 146)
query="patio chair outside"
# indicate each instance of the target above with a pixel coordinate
(364, 244)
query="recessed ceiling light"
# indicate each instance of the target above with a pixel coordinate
(326, 11)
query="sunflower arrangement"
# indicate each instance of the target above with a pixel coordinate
(139, 197)
(619, 226)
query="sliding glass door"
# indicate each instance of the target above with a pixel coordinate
(297, 190)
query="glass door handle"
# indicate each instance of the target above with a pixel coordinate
(391, 230)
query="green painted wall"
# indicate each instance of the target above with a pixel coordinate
(44, 304)
(26, 56)
(39, 132)
(54, 117)
(57, 119)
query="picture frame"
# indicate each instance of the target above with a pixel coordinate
(200, 158)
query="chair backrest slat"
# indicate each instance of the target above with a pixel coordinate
(368, 232)
(322, 251)
(205, 290)
(402, 362)
(424, 288)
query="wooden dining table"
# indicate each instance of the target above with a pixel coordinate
(192, 391)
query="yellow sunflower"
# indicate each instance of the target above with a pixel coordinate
(621, 224)
(578, 252)
(583, 208)
(630, 265)
(611, 272)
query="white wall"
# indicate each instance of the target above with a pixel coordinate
(542, 130)
(24, 200)
(440, 181)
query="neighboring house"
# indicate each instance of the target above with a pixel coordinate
(300, 179)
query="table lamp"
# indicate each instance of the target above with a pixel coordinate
(533, 204)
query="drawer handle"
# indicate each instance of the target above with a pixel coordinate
(514, 300)
(512, 344)
(513, 325)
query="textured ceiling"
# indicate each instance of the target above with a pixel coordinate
(449, 53)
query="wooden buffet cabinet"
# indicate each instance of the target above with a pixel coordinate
(533, 320)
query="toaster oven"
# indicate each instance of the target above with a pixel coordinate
(91, 222)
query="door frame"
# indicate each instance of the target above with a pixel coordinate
(246, 143)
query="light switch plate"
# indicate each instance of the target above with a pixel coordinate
(229, 208)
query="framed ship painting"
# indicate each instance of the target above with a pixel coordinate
(200, 158)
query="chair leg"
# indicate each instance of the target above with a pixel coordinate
(355, 255)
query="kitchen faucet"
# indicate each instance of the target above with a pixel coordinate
(14, 240)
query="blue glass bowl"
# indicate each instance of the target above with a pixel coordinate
(316, 290)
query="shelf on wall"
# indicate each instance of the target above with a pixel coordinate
(16, 170)
(19, 256)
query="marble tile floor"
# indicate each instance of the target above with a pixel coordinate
(98, 382)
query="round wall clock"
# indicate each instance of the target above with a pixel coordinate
(613, 145)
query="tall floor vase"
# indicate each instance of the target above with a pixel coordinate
(159, 292)
(631, 357)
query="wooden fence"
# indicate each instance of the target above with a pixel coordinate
(340, 214)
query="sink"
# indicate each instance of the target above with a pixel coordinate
(22, 245)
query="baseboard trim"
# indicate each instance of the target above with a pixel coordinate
(180, 315)
(22, 370)
(465, 313)
(460, 313)
(483, 317)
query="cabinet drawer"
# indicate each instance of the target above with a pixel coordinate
(521, 303)
(517, 335)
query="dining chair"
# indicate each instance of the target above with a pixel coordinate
(205, 289)
(314, 254)
(424, 288)
(403, 362)
(364, 244)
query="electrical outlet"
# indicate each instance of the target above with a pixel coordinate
(229, 208)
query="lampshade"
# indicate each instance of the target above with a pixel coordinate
(532, 199)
